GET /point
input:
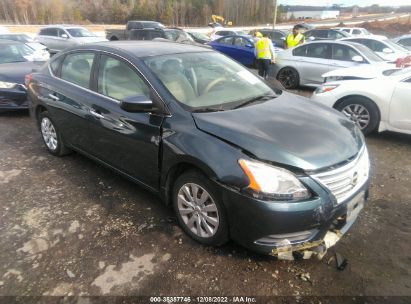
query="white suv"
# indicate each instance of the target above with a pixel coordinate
(60, 37)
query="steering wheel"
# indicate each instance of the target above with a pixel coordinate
(213, 83)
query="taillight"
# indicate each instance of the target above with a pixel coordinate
(27, 79)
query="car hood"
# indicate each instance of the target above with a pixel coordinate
(289, 130)
(367, 72)
(16, 71)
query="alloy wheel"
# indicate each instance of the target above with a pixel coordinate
(287, 78)
(49, 133)
(198, 210)
(358, 114)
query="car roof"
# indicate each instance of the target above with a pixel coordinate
(373, 37)
(62, 26)
(146, 48)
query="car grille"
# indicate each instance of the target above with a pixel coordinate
(347, 179)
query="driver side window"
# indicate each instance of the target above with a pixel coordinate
(118, 80)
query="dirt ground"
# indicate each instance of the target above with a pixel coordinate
(71, 227)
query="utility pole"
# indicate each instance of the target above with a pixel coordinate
(275, 13)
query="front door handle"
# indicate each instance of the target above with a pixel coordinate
(54, 97)
(96, 114)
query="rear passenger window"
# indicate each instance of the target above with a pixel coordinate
(119, 81)
(356, 32)
(300, 51)
(227, 40)
(49, 32)
(76, 68)
(319, 51)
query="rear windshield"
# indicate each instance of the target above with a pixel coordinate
(368, 53)
(395, 46)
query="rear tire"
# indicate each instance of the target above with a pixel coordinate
(289, 78)
(199, 209)
(51, 135)
(362, 111)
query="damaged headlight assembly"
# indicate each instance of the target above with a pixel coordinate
(275, 183)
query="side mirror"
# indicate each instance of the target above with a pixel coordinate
(358, 59)
(311, 38)
(249, 46)
(387, 51)
(137, 103)
(283, 38)
(65, 36)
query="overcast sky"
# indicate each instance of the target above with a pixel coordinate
(346, 2)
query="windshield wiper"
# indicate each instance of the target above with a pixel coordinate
(208, 109)
(254, 99)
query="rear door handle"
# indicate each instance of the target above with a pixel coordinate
(54, 97)
(96, 114)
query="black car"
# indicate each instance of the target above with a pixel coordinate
(277, 36)
(199, 37)
(325, 34)
(236, 158)
(15, 63)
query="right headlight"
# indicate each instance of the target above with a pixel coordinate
(273, 182)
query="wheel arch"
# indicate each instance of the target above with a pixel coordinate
(179, 168)
(289, 67)
(342, 99)
(39, 109)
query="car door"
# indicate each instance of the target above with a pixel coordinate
(127, 141)
(64, 40)
(316, 62)
(342, 57)
(243, 50)
(224, 45)
(400, 106)
(68, 96)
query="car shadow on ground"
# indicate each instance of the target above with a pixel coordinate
(391, 137)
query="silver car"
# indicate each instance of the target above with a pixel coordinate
(304, 64)
(60, 37)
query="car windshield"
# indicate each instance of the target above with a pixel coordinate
(208, 81)
(241, 33)
(15, 53)
(370, 55)
(395, 46)
(80, 32)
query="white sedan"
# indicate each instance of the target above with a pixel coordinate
(381, 102)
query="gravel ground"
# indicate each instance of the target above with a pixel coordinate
(71, 227)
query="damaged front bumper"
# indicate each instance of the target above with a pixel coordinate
(340, 225)
(297, 229)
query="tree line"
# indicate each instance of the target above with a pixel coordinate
(170, 12)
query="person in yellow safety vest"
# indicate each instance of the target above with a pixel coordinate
(295, 38)
(264, 53)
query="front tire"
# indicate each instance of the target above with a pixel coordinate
(289, 78)
(362, 111)
(199, 209)
(51, 135)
